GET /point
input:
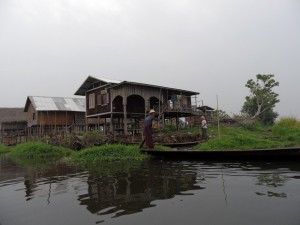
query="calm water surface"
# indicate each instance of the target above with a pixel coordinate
(151, 192)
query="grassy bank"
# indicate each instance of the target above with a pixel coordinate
(3, 149)
(285, 133)
(111, 152)
(107, 152)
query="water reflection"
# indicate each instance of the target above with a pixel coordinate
(271, 180)
(117, 189)
(134, 190)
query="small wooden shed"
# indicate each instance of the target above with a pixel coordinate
(49, 115)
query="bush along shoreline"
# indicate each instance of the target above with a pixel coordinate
(39, 150)
(285, 133)
(108, 152)
(95, 154)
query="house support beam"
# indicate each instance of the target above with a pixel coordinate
(125, 119)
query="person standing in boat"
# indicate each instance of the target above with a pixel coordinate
(204, 128)
(148, 128)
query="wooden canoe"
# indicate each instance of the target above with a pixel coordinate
(275, 153)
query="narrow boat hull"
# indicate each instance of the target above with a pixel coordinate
(282, 153)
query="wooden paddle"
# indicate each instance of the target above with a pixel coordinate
(141, 145)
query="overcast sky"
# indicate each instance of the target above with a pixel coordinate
(49, 47)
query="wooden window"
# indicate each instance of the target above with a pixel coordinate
(98, 99)
(104, 99)
(91, 101)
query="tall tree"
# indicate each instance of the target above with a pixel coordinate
(262, 98)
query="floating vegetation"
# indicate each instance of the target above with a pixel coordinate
(39, 150)
(109, 152)
(3, 149)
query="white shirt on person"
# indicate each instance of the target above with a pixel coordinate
(204, 124)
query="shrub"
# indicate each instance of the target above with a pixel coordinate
(287, 127)
(109, 152)
(39, 150)
(237, 142)
(3, 149)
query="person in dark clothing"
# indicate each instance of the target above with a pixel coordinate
(148, 128)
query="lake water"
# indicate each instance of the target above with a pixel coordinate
(150, 192)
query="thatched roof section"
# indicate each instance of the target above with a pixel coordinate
(12, 115)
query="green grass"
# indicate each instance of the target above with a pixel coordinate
(285, 133)
(238, 142)
(39, 150)
(95, 154)
(3, 149)
(109, 152)
(287, 128)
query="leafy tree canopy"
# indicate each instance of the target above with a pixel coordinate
(262, 99)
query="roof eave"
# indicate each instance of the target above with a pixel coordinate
(155, 86)
(89, 81)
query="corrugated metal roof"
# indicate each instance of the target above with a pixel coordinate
(58, 103)
(160, 87)
(90, 80)
(12, 115)
(109, 80)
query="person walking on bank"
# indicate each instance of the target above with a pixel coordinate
(204, 128)
(148, 128)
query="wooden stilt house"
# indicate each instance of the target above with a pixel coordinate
(124, 105)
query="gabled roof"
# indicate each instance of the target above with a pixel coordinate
(12, 115)
(87, 84)
(55, 104)
(175, 90)
(205, 108)
(90, 80)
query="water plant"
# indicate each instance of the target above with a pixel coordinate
(109, 152)
(3, 149)
(39, 150)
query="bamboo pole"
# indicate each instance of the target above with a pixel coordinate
(218, 119)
